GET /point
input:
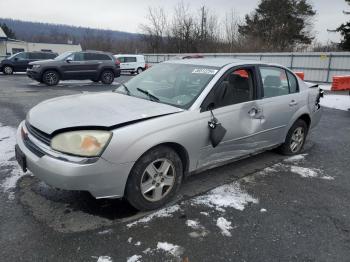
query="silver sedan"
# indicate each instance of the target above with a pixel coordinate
(178, 117)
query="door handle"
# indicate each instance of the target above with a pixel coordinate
(254, 112)
(293, 103)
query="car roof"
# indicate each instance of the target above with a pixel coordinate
(128, 55)
(216, 62)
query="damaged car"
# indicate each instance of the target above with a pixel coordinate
(140, 141)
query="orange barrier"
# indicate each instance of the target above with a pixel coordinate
(341, 83)
(301, 75)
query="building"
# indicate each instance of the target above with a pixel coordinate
(11, 46)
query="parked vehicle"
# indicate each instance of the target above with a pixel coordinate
(131, 63)
(176, 118)
(19, 62)
(94, 65)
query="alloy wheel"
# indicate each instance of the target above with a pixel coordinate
(297, 140)
(8, 70)
(51, 78)
(157, 180)
(108, 77)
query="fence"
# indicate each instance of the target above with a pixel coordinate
(318, 67)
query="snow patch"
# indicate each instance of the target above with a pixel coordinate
(204, 213)
(230, 195)
(147, 251)
(104, 259)
(105, 232)
(341, 102)
(263, 210)
(193, 224)
(172, 249)
(138, 243)
(225, 226)
(165, 212)
(134, 258)
(305, 172)
(129, 239)
(7, 161)
(295, 158)
(327, 177)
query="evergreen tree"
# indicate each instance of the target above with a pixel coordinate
(344, 30)
(279, 25)
(8, 31)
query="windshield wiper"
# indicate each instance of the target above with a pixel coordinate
(151, 97)
(125, 87)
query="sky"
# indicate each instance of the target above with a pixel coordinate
(127, 16)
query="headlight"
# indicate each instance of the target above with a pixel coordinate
(36, 66)
(82, 143)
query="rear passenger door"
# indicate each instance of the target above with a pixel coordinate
(280, 100)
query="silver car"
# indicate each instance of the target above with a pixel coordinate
(177, 118)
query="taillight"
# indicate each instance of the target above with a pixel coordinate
(117, 62)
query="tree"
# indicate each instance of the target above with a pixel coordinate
(8, 31)
(344, 30)
(279, 25)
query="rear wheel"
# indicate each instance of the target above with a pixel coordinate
(295, 139)
(107, 77)
(154, 179)
(7, 70)
(50, 78)
(139, 70)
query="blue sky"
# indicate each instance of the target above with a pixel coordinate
(128, 15)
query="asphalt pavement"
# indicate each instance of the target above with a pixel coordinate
(264, 208)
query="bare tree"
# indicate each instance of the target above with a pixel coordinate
(231, 35)
(155, 29)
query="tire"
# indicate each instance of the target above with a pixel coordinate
(295, 139)
(139, 70)
(7, 70)
(107, 77)
(159, 187)
(50, 78)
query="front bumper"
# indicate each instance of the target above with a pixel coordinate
(33, 74)
(101, 178)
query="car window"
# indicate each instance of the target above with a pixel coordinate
(21, 56)
(174, 84)
(121, 59)
(36, 56)
(235, 87)
(78, 57)
(130, 59)
(275, 81)
(293, 83)
(95, 56)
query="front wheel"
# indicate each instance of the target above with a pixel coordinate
(107, 77)
(154, 179)
(295, 139)
(7, 70)
(50, 78)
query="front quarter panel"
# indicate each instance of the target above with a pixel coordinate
(130, 142)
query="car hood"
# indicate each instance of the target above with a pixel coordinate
(94, 110)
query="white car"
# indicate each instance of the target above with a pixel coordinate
(131, 63)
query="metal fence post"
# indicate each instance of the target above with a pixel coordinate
(329, 67)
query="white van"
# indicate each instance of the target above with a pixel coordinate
(131, 63)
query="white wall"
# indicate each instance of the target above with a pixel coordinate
(57, 48)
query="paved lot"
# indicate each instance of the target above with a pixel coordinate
(265, 208)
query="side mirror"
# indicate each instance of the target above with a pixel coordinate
(216, 130)
(69, 59)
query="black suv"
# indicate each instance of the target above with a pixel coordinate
(94, 65)
(19, 62)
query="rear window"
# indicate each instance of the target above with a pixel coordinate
(130, 59)
(95, 56)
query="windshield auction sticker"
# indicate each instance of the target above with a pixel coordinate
(205, 71)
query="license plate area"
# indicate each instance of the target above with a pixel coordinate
(21, 158)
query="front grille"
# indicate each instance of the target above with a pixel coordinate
(41, 136)
(32, 147)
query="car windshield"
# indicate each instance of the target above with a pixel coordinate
(62, 56)
(175, 84)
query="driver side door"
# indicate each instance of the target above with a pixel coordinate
(234, 99)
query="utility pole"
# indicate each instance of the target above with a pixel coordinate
(203, 24)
